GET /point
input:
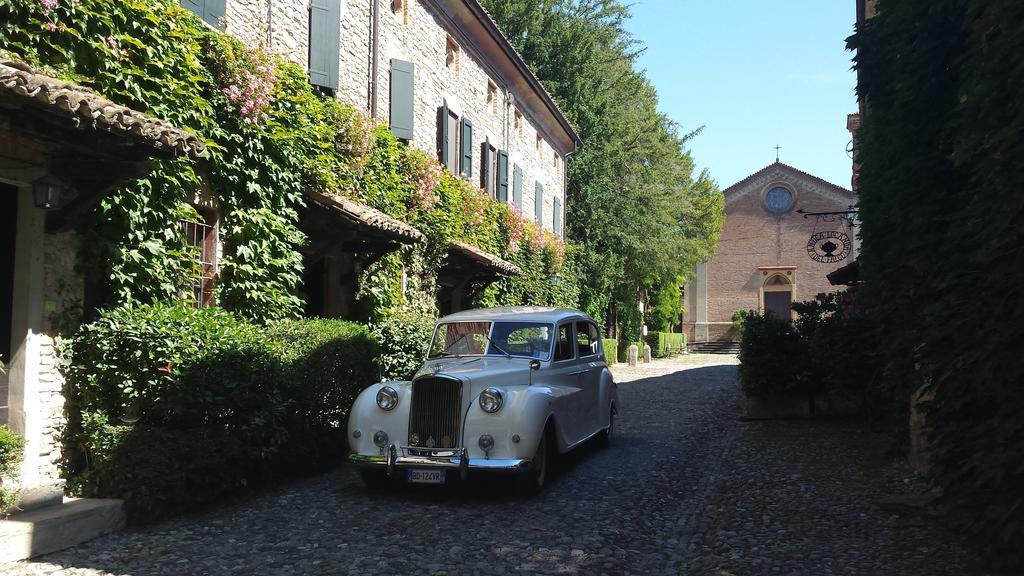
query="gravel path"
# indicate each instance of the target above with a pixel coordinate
(685, 489)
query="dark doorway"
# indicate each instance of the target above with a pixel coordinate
(779, 304)
(8, 227)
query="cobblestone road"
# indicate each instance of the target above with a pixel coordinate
(685, 489)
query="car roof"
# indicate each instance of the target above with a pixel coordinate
(516, 314)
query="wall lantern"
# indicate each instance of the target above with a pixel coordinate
(46, 192)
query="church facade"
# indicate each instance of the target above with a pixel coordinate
(784, 231)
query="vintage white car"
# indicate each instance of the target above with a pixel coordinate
(501, 391)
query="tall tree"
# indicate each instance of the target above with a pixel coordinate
(642, 218)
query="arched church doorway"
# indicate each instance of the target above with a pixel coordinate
(777, 296)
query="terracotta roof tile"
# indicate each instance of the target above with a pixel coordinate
(358, 212)
(486, 258)
(88, 109)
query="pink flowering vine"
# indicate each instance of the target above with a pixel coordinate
(248, 81)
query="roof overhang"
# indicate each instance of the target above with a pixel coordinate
(848, 275)
(466, 262)
(334, 222)
(470, 19)
(56, 128)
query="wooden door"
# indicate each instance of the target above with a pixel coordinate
(779, 304)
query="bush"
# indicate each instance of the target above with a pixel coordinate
(326, 363)
(12, 449)
(199, 380)
(611, 350)
(171, 407)
(664, 344)
(739, 318)
(403, 340)
(773, 358)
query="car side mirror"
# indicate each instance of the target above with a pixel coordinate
(534, 364)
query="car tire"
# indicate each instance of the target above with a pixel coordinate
(532, 481)
(605, 438)
(374, 479)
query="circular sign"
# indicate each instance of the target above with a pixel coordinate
(828, 247)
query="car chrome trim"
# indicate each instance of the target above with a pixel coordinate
(460, 461)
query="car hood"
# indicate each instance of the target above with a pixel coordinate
(480, 371)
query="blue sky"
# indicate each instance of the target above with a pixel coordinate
(754, 73)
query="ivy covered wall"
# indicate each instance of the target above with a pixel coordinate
(270, 138)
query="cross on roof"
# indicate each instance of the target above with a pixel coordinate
(777, 148)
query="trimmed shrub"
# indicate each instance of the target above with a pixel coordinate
(171, 407)
(12, 448)
(326, 364)
(403, 340)
(161, 390)
(664, 344)
(611, 350)
(773, 358)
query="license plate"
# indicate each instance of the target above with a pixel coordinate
(426, 476)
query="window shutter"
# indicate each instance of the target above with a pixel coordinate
(403, 76)
(445, 137)
(557, 215)
(485, 166)
(324, 41)
(538, 202)
(214, 12)
(198, 7)
(502, 176)
(517, 186)
(467, 147)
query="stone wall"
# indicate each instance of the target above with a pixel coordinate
(415, 33)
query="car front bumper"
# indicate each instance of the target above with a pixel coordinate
(403, 457)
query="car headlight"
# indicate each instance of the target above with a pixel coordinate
(387, 398)
(491, 400)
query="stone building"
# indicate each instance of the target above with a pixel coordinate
(442, 76)
(62, 148)
(771, 253)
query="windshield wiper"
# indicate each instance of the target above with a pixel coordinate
(496, 347)
(445, 352)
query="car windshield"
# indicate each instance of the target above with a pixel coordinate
(529, 339)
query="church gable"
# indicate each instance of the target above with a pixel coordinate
(779, 172)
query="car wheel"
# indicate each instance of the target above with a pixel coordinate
(531, 481)
(606, 436)
(374, 479)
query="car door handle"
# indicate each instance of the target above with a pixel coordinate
(583, 371)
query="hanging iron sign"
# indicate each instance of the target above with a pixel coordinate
(829, 246)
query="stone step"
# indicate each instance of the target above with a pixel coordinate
(45, 530)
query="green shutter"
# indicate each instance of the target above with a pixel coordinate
(502, 176)
(467, 147)
(403, 76)
(485, 166)
(215, 12)
(324, 42)
(538, 202)
(198, 7)
(517, 187)
(442, 126)
(557, 215)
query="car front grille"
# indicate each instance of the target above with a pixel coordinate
(435, 413)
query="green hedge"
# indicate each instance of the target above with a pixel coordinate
(611, 349)
(12, 449)
(403, 340)
(171, 407)
(326, 364)
(664, 344)
(773, 358)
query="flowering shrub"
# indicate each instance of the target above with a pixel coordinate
(425, 177)
(354, 137)
(247, 77)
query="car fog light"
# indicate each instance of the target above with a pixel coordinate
(490, 400)
(486, 442)
(387, 398)
(380, 438)
(414, 439)
(357, 433)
